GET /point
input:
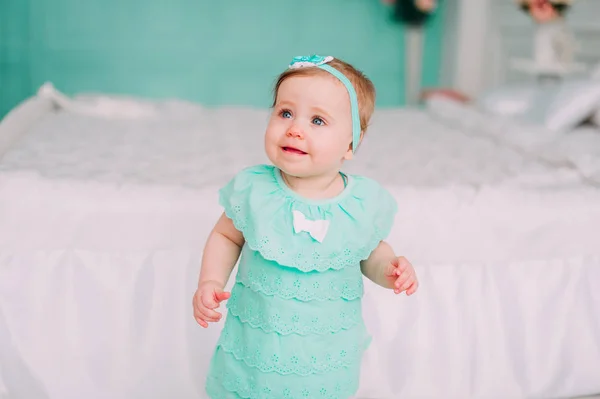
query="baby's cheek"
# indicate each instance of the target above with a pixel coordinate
(320, 158)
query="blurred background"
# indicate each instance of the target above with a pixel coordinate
(213, 52)
(219, 53)
(121, 119)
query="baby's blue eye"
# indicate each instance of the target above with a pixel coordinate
(318, 121)
(286, 114)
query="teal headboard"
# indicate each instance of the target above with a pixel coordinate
(212, 51)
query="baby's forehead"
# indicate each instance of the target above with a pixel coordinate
(323, 88)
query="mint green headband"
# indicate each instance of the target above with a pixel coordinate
(321, 62)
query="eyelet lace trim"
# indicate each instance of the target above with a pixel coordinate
(245, 389)
(250, 309)
(263, 278)
(291, 357)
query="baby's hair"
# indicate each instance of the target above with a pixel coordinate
(365, 90)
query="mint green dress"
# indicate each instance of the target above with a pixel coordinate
(294, 326)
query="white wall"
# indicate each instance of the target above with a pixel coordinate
(472, 23)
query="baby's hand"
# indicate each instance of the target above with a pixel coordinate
(401, 276)
(208, 297)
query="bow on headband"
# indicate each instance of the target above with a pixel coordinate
(309, 61)
(316, 228)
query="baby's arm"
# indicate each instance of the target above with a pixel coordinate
(384, 268)
(221, 253)
(375, 266)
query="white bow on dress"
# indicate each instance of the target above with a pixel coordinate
(316, 228)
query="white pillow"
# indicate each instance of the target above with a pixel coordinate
(508, 101)
(564, 106)
(99, 105)
(556, 107)
(573, 104)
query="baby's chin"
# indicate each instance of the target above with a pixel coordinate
(297, 171)
(297, 168)
(294, 170)
(303, 167)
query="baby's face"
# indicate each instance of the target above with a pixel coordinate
(310, 130)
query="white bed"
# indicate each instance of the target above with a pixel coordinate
(103, 219)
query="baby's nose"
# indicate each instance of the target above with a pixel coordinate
(295, 131)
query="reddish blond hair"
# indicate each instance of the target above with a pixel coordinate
(365, 90)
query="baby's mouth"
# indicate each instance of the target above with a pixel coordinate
(293, 150)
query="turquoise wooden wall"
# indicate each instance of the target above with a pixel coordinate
(212, 51)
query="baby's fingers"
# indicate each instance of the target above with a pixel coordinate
(222, 296)
(208, 300)
(403, 282)
(412, 289)
(209, 314)
(403, 278)
(205, 311)
(402, 264)
(200, 320)
(409, 282)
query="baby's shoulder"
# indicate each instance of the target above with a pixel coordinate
(258, 179)
(253, 173)
(370, 191)
(366, 182)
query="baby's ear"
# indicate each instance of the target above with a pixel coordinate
(360, 140)
(349, 154)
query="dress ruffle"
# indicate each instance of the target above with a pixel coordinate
(237, 381)
(285, 317)
(293, 354)
(260, 206)
(271, 279)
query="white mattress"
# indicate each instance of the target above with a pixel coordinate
(104, 218)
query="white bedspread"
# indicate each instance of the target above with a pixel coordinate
(193, 147)
(103, 222)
